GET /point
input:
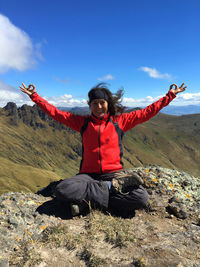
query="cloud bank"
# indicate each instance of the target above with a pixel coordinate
(182, 99)
(16, 48)
(66, 101)
(12, 94)
(154, 73)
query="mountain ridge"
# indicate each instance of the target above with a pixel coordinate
(33, 144)
(170, 109)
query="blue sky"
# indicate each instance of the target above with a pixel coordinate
(67, 47)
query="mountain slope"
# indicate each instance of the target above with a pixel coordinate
(35, 150)
(170, 141)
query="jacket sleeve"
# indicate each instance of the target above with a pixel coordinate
(127, 121)
(73, 121)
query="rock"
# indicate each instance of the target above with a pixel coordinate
(28, 114)
(4, 263)
(177, 210)
(11, 108)
(175, 199)
(177, 187)
(34, 228)
(13, 112)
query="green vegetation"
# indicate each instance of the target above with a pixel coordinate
(169, 141)
(35, 150)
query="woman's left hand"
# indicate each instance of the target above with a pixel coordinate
(177, 89)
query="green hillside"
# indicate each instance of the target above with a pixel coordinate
(170, 141)
(35, 150)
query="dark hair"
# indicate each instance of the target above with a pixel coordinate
(114, 100)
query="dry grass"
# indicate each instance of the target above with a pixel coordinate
(61, 236)
(91, 259)
(26, 256)
(99, 227)
(117, 231)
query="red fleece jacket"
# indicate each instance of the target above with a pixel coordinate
(101, 139)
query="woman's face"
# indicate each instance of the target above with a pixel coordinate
(99, 107)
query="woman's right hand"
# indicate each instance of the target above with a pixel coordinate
(28, 90)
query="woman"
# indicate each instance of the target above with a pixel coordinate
(101, 163)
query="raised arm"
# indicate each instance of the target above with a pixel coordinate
(129, 120)
(71, 120)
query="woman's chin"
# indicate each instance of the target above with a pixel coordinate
(99, 115)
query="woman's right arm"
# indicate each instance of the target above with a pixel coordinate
(71, 120)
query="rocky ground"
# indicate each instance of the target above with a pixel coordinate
(39, 231)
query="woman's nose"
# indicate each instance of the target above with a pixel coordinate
(99, 105)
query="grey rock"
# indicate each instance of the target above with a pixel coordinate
(177, 210)
(4, 263)
(13, 221)
(170, 227)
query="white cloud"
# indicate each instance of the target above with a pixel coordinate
(12, 94)
(66, 101)
(38, 49)
(182, 99)
(154, 73)
(16, 48)
(106, 78)
(132, 102)
(66, 81)
(189, 96)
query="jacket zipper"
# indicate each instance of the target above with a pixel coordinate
(100, 150)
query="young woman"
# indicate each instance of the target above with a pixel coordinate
(101, 163)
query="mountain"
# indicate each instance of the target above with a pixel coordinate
(35, 150)
(78, 110)
(170, 110)
(181, 110)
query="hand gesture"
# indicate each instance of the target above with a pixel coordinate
(28, 90)
(177, 89)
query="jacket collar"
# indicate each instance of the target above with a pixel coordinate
(101, 119)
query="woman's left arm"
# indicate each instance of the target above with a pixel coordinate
(129, 120)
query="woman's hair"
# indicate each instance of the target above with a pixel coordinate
(114, 100)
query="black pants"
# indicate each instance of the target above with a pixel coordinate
(84, 187)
